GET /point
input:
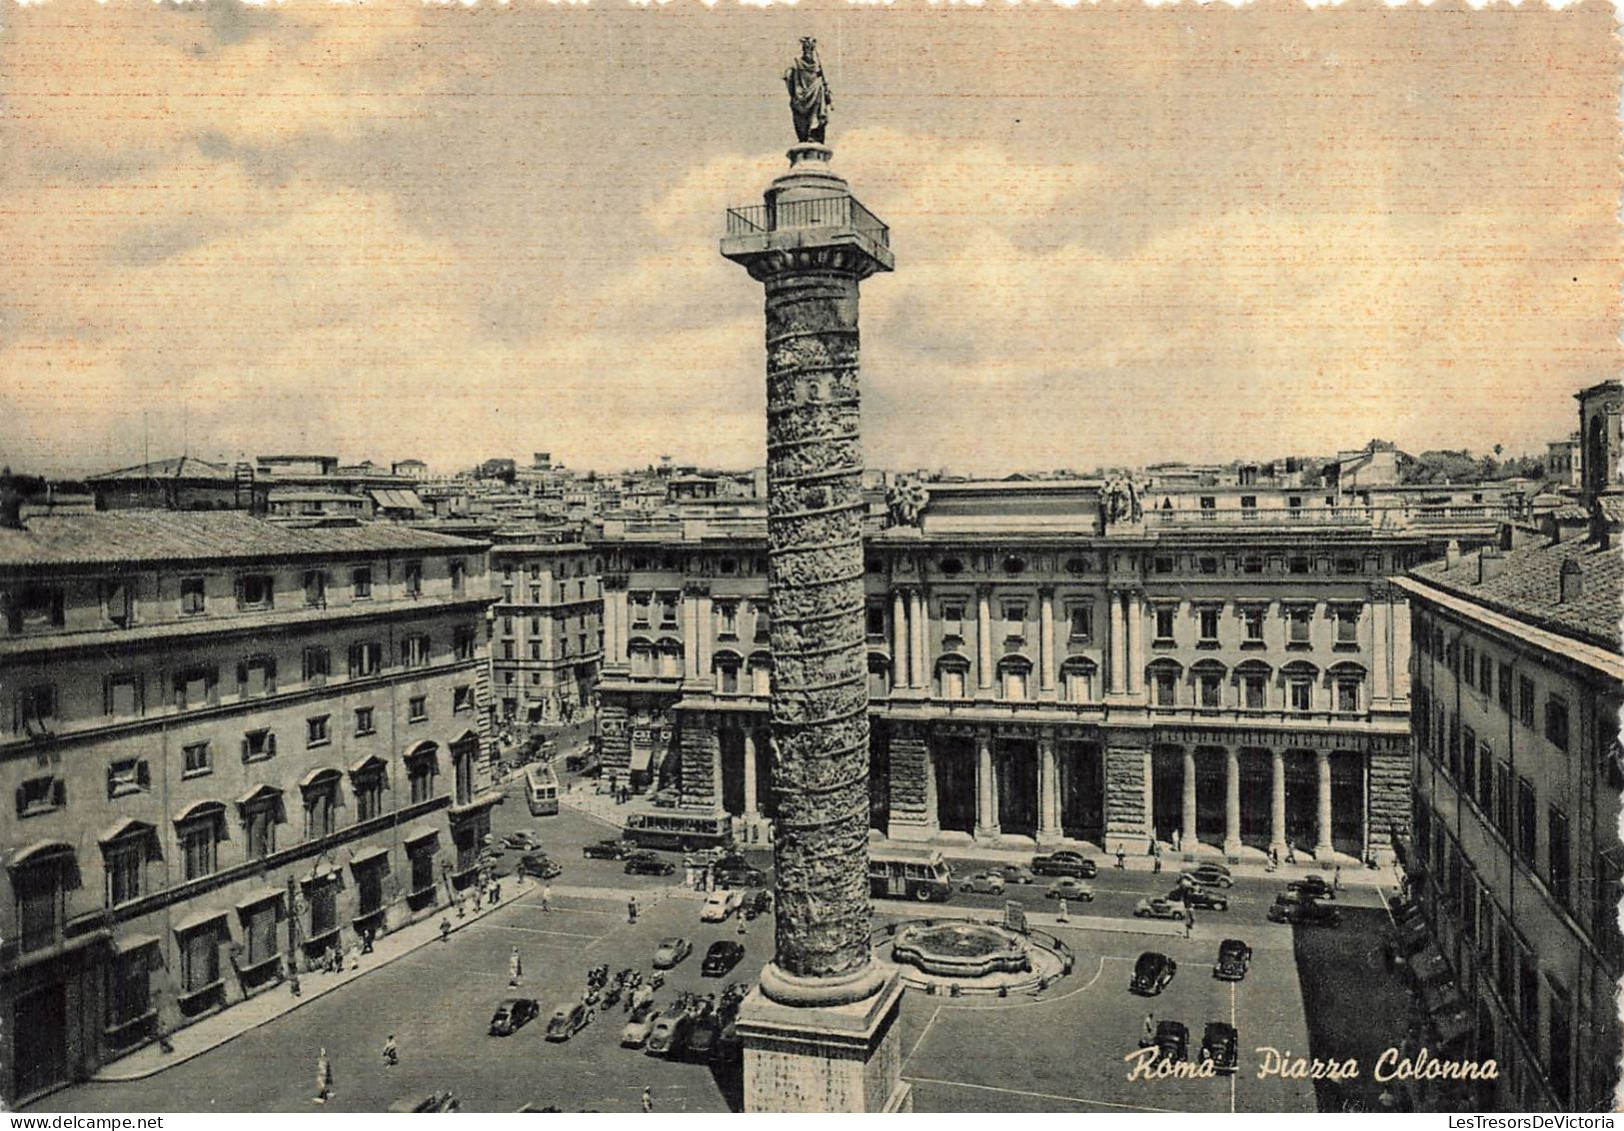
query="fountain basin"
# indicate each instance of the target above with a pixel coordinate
(961, 950)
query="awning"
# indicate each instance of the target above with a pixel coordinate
(391, 499)
(258, 792)
(258, 896)
(317, 775)
(417, 833)
(201, 809)
(123, 827)
(198, 920)
(364, 764)
(368, 855)
(641, 756)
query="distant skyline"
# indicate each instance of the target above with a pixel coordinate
(1124, 235)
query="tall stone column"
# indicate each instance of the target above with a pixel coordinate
(751, 809)
(1048, 790)
(690, 635)
(1322, 826)
(706, 625)
(1046, 639)
(983, 637)
(1135, 682)
(899, 639)
(918, 657)
(1187, 836)
(1115, 679)
(1232, 800)
(819, 1032)
(933, 820)
(1277, 801)
(987, 824)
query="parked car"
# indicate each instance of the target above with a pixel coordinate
(539, 865)
(521, 842)
(668, 798)
(513, 1014)
(1218, 1044)
(671, 951)
(1234, 960)
(609, 850)
(720, 904)
(1172, 1041)
(1158, 909)
(737, 872)
(1065, 863)
(670, 1034)
(1291, 907)
(703, 1037)
(636, 1033)
(568, 1020)
(757, 903)
(1068, 888)
(1018, 874)
(647, 864)
(1201, 897)
(1210, 874)
(1314, 886)
(723, 955)
(1152, 973)
(984, 883)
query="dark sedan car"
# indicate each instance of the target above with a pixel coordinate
(1152, 973)
(513, 1014)
(722, 956)
(1065, 863)
(648, 864)
(539, 865)
(736, 872)
(1218, 1044)
(1200, 897)
(608, 850)
(1234, 959)
(1292, 908)
(1313, 886)
(1172, 1041)
(1210, 874)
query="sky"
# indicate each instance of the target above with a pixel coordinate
(1124, 234)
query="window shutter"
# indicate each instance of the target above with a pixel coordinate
(242, 673)
(241, 591)
(57, 618)
(245, 748)
(270, 674)
(22, 800)
(107, 696)
(270, 743)
(112, 778)
(59, 792)
(143, 774)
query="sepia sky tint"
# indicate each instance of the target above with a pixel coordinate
(1123, 234)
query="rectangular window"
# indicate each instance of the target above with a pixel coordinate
(412, 579)
(1302, 695)
(1300, 623)
(1211, 692)
(361, 583)
(196, 687)
(952, 682)
(1163, 564)
(535, 626)
(255, 591)
(1014, 618)
(36, 708)
(200, 958)
(1252, 563)
(1525, 701)
(259, 827)
(192, 600)
(1252, 620)
(318, 665)
(366, 659)
(256, 676)
(126, 696)
(1347, 695)
(535, 649)
(365, 721)
(1502, 799)
(414, 651)
(1166, 689)
(459, 570)
(640, 610)
(321, 817)
(197, 841)
(535, 594)
(1468, 658)
(1079, 685)
(368, 795)
(35, 608)
(1504, 688)
(126, 776)
(1209, 625)
(417, 709)
(1556, 721)
(463, 644)
(1528, 995)
(1527, 820)
(1207, 565)
(1256, 692)
(259, 930)
(316, 731)
(462, 699)
(507, 650)
(873, 619)
(1082, 621)
(1485, 777)
(668, 611)
(1164, 622)
(40, 905)
(420, 776)
(315, 587)
(727, 616)
(125, 859)
(118, 603)
(1559, 855)
(257, 745)
(197, 759)
(1347, 626)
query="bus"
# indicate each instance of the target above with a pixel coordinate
(905, 872)
(672, 828)
(541, 789)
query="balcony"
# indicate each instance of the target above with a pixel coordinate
(820, 212)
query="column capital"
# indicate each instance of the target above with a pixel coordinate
(692, 588)
(1046, 591)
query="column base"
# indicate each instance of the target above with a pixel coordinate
(1050, 838)
(1324, 852)
(988, 833)
(1233, 847)
(841, 1058)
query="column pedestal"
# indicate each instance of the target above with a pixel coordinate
(821, 1059)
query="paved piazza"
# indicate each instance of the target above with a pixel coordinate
(1062, 1051)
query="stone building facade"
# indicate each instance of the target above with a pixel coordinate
(546, 630)
(231, 746)
(1048, 666)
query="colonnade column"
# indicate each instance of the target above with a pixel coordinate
(1136, 644)
(1115, 683)
(899, 639)
(1232, 801)
(1322, 830)
(983, 637)
(986, 789)
(916, 647)
(690, 635)
(932, 805)
(1277, 802)
(1187, 835)
(750, 809)
(1048, 790)
(1383, 646)
(707, 629)
(1046, 639)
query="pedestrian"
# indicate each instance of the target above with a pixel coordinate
(445, 929)
(1150, 1030)
(1156, 865)
(1274, 857)
(293, 981)
(1336, 879)
(648, 1099)
(631, 910)
(366, 939)
(1062, 915)
(1189, 919)
(1291, 854)
(391, 1054)
(515, 968)
(546, 897)
(496, 892)
(460, 913)
(1178, 840)
(1150, 846)
(324, 1077)
(740, 916)
(355, 955)
(1121, 858)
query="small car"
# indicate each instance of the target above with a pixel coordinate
(1018, 874)
(1152, 973)
(671, 951)
(1307, 912)
(1211, 874)
(636, 1033)
(608, 850)
(1201, 897)
(723, 955)
(736, 872)
(1065, 863)
(720, 904)
(668, 798)
(1313, 886)
(1172, 1041)
(538, 864)
(512, 1015)
(703, 1037)
(647, 864)
(670, 1034)
(758, 903)
(1218, 1044)
(1069, 888)
(1158, 909)
(984, 883)
(1234, 960)
(568, 1020)
(521, 842)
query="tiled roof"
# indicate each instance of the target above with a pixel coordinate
(158, 536)
(1612, 507)
(182, 467)
(1528, 588)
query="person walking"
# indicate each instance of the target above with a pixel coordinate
(1336, 879)
(1156, 865)
(391, 1054)
(739, 915)
(366, 939)
(631, 910)
(1189, 919)
(648, 1099)
(515, 968)
(1061, 915)
(1150, 1030)
(324, 1077)
(445, 929)
(546, 897)
(1121, 858)
(355, 955)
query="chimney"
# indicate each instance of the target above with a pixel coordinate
(1508, 536)
(1571, 582)
(1489, 564)
(1452, 554)
(1600, 529)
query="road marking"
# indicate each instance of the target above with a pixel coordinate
(565, 934)
(922, 1035)
(479, 973)
(998, 1004)
(1039, 1095)
(538, 931)
(1236, 1073)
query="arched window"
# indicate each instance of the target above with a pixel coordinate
(952, 676)
(1252, 677)
(1347, 682)
(463, 753)
(640, 656)
(879, 675)
(669, 652)
(725, 669)
(1299, 677)
(1077, 675)
(1014, 674)
(1209, 684)
(1162, 677)
(761, 674)
(321, 801)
